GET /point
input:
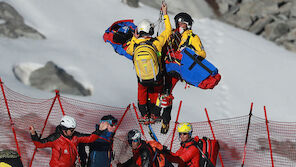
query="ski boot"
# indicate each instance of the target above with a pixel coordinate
(164, 128)
(154, 118)
(145, 119)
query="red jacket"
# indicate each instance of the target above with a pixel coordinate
(188, 153)
(64, 149)
(142, 156)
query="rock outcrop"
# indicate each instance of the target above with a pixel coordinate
(275, 20)
(12, 24)
(51, 77)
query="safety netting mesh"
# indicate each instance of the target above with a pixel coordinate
(45, 114)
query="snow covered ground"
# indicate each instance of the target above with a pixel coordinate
(252, 69)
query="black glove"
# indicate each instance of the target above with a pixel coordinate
(165, 150)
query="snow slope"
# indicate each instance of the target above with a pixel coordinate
(252, 69)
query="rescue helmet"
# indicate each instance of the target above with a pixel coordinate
(185, 127)
(183, 18)
(145, 27)
(134, 136)
(68, 122)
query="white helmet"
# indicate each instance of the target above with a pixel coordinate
(145, 26)
(68, 122)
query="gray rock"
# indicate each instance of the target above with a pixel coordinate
(293, 9)
(131, 3)
(292, 23)
(260, 8)
(273, 19)
(290, 37)
(241, 21)
(286, 8)
(291, 45)
(7, 12)
(11, 30)
(196, 8)
(13, 25)
(226, 5)
(51, 77)
(275, 30)
(259, 25)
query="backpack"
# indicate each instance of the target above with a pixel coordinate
(160, 159)
(210, 148)
(146, 63)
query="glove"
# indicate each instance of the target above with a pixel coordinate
(164, 100)
(165, 149)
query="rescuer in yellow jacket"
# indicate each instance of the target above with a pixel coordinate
(183, 23)
(145, 30)
(148, 91)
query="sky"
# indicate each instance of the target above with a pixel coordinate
(252, 68)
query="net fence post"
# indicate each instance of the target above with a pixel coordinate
(58, 96)
(220, 157)
(269, 142)
(127, 108)
(10, 118)
(138, 121)
(45, 122)
(247, 134)
(177, 118)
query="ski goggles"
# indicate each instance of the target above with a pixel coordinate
(181, 20)
(136, 141)
(112, 122)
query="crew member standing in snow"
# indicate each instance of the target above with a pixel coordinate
(142, 152)
(100, 151)
(64, 142)
(188, 152)
(146, 57)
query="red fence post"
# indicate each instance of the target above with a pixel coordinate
(45, 122)
(266, 121)
(138, 121)
(58, 95)
(246, 140)
(176, 125)
(11, 122)
(127, 108)
(220, 157)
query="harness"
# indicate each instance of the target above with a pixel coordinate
(188, 41)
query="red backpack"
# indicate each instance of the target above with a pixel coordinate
(209, 150)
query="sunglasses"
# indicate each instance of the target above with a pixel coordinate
(72, 130)
(111, 122)
(130, 141)
(180, 134)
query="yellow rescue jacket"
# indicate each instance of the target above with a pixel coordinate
(158, 43)
(192, 41)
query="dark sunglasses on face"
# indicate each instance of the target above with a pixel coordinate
(180, 134)
(72, 130)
